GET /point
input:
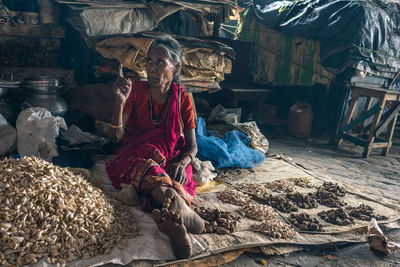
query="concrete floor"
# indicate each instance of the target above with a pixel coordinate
(378, 174)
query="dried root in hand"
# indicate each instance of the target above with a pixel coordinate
(48, 212)
(336, 216)
(275, 229)
(218, 221)
(234, 197)
(329, 199)
(304, 222)
(305, 201)
(258, 212)
(364, 213)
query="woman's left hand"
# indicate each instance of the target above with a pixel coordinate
(177, 172)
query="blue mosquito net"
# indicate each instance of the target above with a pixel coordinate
(231, 151)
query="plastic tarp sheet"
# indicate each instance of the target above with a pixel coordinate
(360, 34)
(153, 245)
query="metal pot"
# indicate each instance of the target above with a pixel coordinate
(8, 111)
(32, 89)
(3, 91)
(54, 103)
(5, 86)
(44, 81)
(43, 85)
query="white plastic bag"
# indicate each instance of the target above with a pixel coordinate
(8, 137)
(203, 171)
(37, 131)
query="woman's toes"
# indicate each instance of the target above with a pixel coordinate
(167, 203)
(157, 215)
(165, 213)
(176, 217)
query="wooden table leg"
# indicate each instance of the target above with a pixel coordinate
(389, 135)
(350, 113)
(371, 136)
(366, 108)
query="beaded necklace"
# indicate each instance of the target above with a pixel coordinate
(156, 119)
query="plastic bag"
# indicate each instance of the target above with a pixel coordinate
(229, 115)
(232, 151)
(37, 131)
(258, 140)
(8, 137)
(203, 171)
(378, 241)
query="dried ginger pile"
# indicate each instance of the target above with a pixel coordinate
(48, 212)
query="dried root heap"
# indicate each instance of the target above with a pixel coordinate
(47, 211)
(305, 201)
(234, 197)
(304, 222)
(329, 199)
(257, 190)
(301, 182)
(258, 212)
(275, 229)
(334, 188)
(282, 203)
(280, 186)
(218, 221)
(364, 212)
(336, 216)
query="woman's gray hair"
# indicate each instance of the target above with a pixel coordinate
(171, 48)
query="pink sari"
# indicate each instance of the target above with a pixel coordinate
(144, 160)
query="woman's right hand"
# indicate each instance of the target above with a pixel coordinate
(121, 88)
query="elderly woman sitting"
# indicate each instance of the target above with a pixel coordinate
(155, 121)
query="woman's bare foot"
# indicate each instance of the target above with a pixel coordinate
(171, 224)
(194, 224)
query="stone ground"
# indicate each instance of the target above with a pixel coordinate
(378, 174)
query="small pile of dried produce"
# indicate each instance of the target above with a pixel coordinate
(301, 182)
(304, 222)
(305, 201)
(280, 186)
(329, 199)
(336, 216)
(234, 197)
(258, 212)
(254, 189)
(49, 212)
(275, 229)
(218, 221)
(364, 213)
(281, 203)
(334, 188)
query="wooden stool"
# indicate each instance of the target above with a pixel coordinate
(367, 137)
(245, 92)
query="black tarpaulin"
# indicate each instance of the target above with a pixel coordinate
(362, 34)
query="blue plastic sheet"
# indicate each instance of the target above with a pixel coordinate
(231, 151)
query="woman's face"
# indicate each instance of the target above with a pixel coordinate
(160, 70)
